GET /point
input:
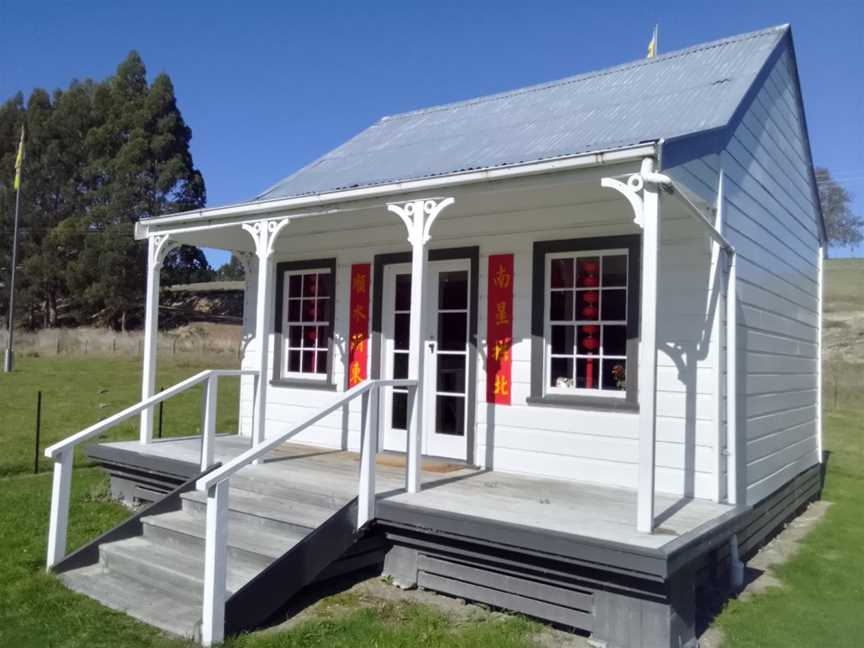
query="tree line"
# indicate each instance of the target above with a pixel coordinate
(100, 155)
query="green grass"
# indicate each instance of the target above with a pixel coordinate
(77, 392)
(821, 602)
(37, 611)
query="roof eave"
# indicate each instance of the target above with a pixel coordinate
(262, 209)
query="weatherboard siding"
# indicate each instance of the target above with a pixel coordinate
(561, 442)
(771, 218)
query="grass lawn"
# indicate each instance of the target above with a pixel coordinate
(820, 603)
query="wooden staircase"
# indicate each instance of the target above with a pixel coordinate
(280, 539)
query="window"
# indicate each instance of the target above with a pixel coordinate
(305, 294)
(585, 320)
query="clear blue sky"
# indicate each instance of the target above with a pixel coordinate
(267, 89)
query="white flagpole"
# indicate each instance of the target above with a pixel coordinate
(8, 359)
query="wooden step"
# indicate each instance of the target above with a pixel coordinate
(173, 612)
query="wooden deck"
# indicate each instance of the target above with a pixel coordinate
(590, 512)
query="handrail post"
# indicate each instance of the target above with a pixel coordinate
(413, 476)
(215, 565)
(59, 519)
(208, 423)
(368, 453)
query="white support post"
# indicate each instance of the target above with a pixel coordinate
(735, 464)
(264, 234)
(59, 518)
(418, 216)
(648, 360)
(716, 287)
(368, 453)
(215, 565)
(158, 247)
(819, 447)
(208, 423)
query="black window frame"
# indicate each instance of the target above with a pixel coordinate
(633, 244)
(278, 379)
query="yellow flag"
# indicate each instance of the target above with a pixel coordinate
(652, 46)
(19, 161)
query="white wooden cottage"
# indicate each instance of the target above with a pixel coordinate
(556, 350)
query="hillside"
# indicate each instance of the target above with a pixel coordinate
(844, 309)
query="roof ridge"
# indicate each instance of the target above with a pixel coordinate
(588, 75)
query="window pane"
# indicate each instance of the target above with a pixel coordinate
(323, 312)
(562, 340)
(587, 307)
(324, 284)
(403, 292)
(402, 330)
(450, 415)
(561, 275)
(561, 305)
(453, 290)
(308, 313)
(615, 374)
(615, 340)
(399, 415)
(451, 373)
(615, 270)
(589, 339)
(452, 331)
(561, 372)
(294, 286)
(323, 337)
(587, 373)
(294, 361)
(294, 310)
(321, 362)
(308, 362)
(400, 365)
(614, 305)
(310, 334)
(294, 336)
(587, 272)
(310, 285)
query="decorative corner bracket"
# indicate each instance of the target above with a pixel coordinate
(264, 233)
(161, 245)
(419, 216)
(631, 190)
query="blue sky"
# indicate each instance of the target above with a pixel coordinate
(268, 87)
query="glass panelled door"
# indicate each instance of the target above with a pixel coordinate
(448, 395)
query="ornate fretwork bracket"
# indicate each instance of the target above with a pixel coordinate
(419, 216)
(161, 245)
(264, 233)
(631, 190)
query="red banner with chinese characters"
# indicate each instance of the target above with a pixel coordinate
(358, 327)
(499, 336)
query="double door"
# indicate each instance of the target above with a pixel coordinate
(446, 349)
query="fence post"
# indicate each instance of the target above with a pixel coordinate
(215, 559)
(38, 431)
(208, 424)
(59, 517)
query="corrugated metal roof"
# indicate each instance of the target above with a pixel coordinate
(675, 94)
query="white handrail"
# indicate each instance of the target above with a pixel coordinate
(215, 484)
(53, 451)
(63, 452)
(256, 452)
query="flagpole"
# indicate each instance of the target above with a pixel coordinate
(8, 359)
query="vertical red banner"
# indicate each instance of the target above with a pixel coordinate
(499, 328)
(358, 326)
